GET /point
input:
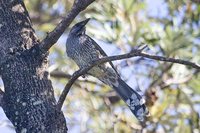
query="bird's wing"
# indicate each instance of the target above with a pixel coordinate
(101, 51)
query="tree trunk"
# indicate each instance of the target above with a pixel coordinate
(28, 100)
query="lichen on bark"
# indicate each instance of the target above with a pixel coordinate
(28, 99)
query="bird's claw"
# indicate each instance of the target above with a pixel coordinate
(83, 76)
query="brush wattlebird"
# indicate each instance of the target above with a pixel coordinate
(83, 50)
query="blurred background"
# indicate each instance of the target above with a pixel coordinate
(170, 28)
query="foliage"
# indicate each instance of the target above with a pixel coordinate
(172, 91)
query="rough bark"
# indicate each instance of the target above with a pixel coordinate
(28, 100)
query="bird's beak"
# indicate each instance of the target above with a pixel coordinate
(84, 22)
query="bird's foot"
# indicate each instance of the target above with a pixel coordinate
(83, 76)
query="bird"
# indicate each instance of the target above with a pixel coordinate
(83, 50)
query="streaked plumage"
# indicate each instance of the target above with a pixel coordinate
(83, 50)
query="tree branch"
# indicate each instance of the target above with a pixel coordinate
(172, 60)
(60, 74)
(133, 53)
(53, 36)
(196, 1)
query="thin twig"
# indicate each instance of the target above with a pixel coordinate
(172, 60)
(60, 74)
(133, 53)
(53, 36)
(196, 1)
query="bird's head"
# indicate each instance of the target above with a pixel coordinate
(79, 28)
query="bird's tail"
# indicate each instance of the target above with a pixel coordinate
(134, 101)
